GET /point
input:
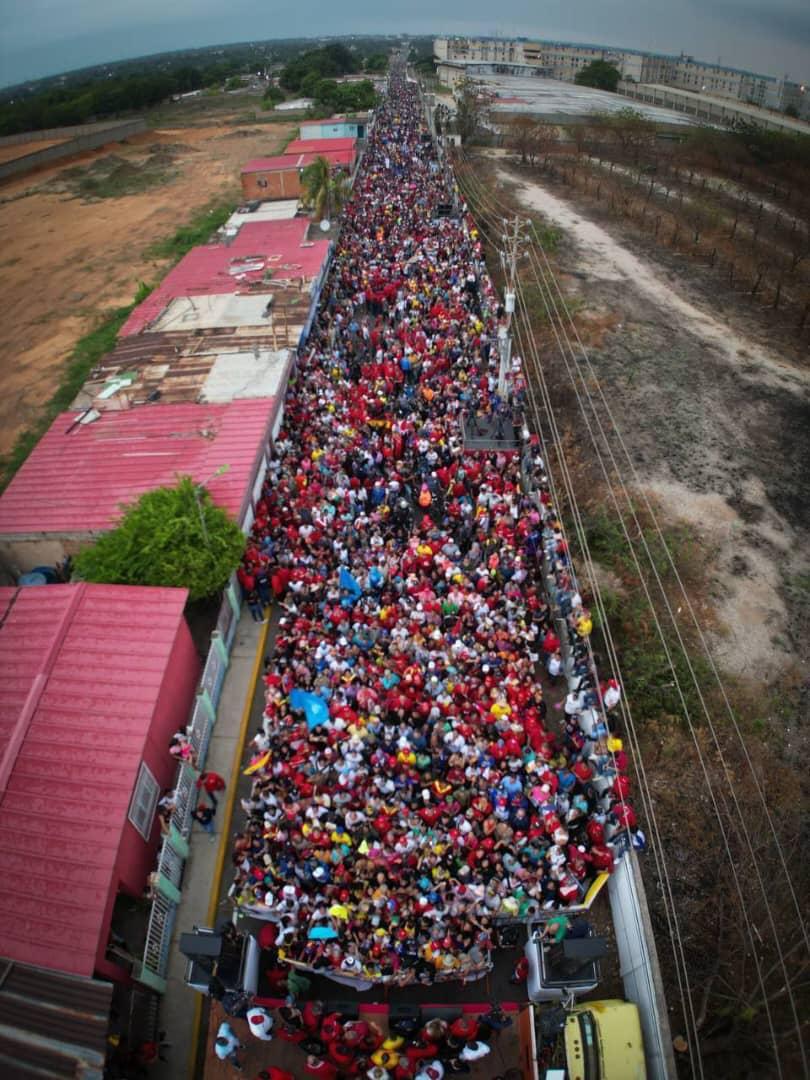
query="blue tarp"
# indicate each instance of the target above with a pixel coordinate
(314, 707)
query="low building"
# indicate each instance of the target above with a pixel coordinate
(87, 465)
(296, 105)
(321, 146)
(94, 681)
(264, 262)
(280, 177)
(335, 127)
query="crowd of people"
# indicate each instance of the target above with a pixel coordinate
(410, 787)
(337, 1046)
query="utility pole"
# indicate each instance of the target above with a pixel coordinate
(509, 257)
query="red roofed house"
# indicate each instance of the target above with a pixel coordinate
(94, 680)
(278, 248)
(72, 485)
(280, 177)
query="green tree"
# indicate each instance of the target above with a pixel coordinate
(599, 74)
(469, 108)
(272, 96)
(325, 193)
(173, 536)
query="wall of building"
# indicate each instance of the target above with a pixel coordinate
(343, 129)
(275, 184)
(19, 556)
(136, 857)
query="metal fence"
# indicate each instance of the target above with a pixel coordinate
(167, 879)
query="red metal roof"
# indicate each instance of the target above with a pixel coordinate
(81, 668)
(75, 481)
(319, 146)
(291, 162)
(217, 269)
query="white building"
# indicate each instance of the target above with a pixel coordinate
(564, 59)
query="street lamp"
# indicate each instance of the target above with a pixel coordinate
(197, 489)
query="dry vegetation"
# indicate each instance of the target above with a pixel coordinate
(716, 438)
(76, 236)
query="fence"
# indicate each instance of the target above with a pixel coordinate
(167, 879)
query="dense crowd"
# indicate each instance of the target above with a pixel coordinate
(337, 1046)
(410, 790)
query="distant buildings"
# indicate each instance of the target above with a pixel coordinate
(563, 60)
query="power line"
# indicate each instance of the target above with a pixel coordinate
(558, 326)
(669, 906)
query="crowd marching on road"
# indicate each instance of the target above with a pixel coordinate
(409, 789)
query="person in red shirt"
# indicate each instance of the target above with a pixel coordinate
(274, 1073)
(464, 1028)
(211, 783)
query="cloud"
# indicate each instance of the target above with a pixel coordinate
(48, 36)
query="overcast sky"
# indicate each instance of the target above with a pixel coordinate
(43, 37)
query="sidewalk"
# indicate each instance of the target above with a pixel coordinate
(180, 1008)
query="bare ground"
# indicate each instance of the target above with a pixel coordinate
(65, 260)
(717, 421)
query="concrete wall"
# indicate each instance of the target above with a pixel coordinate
(19, 556)
(93, 137)
(62, 132)
(638, 959)
(711, 110)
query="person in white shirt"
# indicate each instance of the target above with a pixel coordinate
(474, 1051)
(226, 1045)
(261, 1023)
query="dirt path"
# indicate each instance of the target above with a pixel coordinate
(65, 261)
(718, 425)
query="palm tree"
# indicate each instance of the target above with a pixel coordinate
(323, 192)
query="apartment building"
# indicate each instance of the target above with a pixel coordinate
(564, 59)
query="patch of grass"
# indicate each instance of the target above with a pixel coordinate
(198, 231)
(112, 177)
(86, 354)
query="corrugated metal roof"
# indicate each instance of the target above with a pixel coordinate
(81, 667)
(300, 159)
(52, 1024)
(318, 146)
(75, 481)
(177, 363)
(259, 251)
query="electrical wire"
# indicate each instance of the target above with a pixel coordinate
(647, 801)
(551, 304)
(744, 832)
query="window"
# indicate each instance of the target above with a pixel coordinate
(144, 801)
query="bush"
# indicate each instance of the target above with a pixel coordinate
(169, 537)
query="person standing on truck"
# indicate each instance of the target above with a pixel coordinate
(555, 929)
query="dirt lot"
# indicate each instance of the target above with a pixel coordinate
(717, 419)
(67, 257)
